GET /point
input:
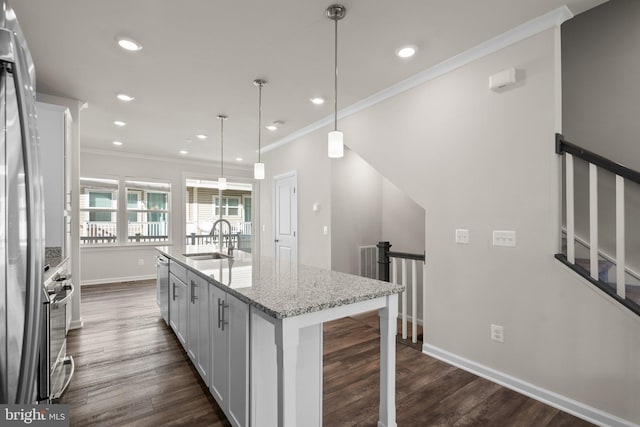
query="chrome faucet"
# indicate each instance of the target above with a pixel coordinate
(230, 247)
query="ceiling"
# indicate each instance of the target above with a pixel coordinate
(200, 57)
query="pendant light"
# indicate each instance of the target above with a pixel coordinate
(258, 168)
(222, 181)
(336, 12)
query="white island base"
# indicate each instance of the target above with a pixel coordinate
(286, 364)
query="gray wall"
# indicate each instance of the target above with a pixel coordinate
(601, 101)
(485, 161)
(356, 210)
(308, 157)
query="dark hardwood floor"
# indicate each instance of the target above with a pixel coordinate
(131, 370)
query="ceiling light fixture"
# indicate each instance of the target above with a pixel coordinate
(129, 44)
(258, 168)
(118, 143)
(222, 181)
(336, 12)
(119, 123)
(124, 97)
(274, 126)
(317, 100)
(183, 152)
(201, 136)
(406, 51)
(239, 159)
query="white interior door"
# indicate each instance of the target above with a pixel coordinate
(286, 225)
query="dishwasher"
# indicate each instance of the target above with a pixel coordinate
(162, 285)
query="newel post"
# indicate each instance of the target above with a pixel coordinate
(383, 260)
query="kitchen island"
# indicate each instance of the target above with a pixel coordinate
(255, 336)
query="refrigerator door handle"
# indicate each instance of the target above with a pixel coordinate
(35, 225)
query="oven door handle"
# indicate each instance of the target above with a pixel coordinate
(66, 298)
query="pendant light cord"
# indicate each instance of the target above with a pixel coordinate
(335, 93)
(222, 148)
(259, 118)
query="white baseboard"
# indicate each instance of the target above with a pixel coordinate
(548, 397)
(116, 280)
(76, 324)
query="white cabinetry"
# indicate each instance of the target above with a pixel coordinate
(230, 355)
(178, 307)
(53, 133)
(198, 342)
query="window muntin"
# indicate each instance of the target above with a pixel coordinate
(230, 206)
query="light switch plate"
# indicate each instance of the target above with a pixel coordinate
(504, 238)
(462, 236)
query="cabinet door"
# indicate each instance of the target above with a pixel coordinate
(192, 316)
(199, 341)
(219, 347)
(238, 332)
(173, 302)
(183, 301)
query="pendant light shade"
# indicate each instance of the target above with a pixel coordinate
(222, 181)
(258, 168)
(335, 145)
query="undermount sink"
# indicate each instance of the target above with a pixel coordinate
(206, 256)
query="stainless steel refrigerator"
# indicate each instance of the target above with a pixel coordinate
(21, 219)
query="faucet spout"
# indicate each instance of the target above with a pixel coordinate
(230, 247)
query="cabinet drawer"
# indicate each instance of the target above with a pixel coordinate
(179, 271)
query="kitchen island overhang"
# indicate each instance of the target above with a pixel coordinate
(285, 317)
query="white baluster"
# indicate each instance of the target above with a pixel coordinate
(620, 245)
(593, 219)
(424, 300)
(414, 303)
(571, 241)
(404, 299)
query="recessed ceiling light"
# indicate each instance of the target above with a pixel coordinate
(201, 136)
(317, 101)
(129, 44)
(124, 97)
(239, 159)
(274, 126)
(184, 152)
(119, 123)
(117, 143)
(406, 51)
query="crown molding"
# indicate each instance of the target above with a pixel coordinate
(190, 162)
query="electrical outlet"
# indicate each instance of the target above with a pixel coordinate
(141, 261)
(462, 236)
(504, 238)
(497, 333)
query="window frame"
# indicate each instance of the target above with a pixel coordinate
(96, 238)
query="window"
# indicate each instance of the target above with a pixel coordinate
(230, 206)
(246, 203)
(98, 211)
(147, 211)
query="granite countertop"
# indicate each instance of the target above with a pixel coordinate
(304, 289)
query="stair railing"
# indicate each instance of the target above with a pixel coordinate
(622, 174)
(388, 271)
